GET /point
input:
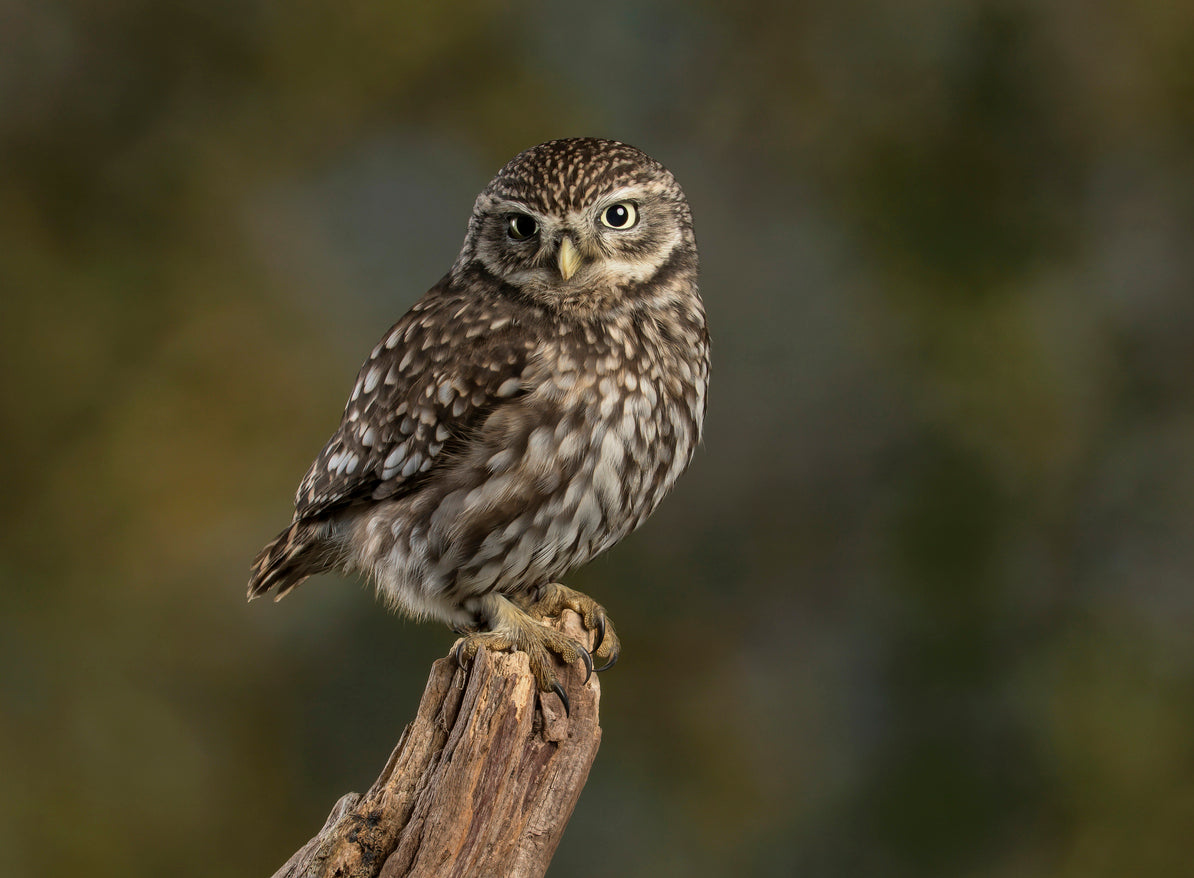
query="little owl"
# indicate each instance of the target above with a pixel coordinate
(527, 413)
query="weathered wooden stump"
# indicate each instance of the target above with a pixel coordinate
(482, 783)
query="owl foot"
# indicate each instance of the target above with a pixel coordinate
(512, 628)
(552, 599)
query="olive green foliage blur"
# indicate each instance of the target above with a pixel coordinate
(923, 605)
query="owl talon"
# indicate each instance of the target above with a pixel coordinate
(458, 653)
(559, 690)
(599, 637)
(550, 599)
(587, 660)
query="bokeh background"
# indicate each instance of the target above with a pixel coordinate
(923, 605)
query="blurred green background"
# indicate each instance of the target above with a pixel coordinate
(922, 606)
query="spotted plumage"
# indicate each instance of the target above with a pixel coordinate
(527, 413)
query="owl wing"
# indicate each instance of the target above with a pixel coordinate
(428, 385)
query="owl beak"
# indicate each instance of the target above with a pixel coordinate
(569, 258)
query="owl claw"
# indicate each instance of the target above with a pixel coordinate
(559, 690)
(599, 637)
(613, 660)
(587, 660)
(458, 653)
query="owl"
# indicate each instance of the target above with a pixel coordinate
(531, 410)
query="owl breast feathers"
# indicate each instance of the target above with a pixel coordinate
(528, 412)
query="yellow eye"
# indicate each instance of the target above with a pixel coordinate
(619, 216)
(522, 226)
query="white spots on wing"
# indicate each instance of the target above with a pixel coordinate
(406, 360)
(372, 378)
(369, 437)
(392, 375)
(343, 462)
(445, 393)
(412, 465)
(508, 388)
(459, 406)
(500, 323)
(393, 461)
(356, 390)
(393, 339)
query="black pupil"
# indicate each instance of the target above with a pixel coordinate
(617, 215)
(522, 226)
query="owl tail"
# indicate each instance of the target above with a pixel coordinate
(296, 553)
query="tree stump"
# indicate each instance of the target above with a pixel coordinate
(482, 783)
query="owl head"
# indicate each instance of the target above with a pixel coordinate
(580, 224)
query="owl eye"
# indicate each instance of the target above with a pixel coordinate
(522, 226)
(619, 216)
